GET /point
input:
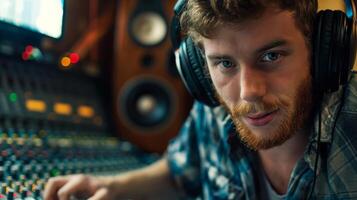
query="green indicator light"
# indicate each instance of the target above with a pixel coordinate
(54, 172)
(13, 97)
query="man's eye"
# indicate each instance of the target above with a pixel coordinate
(225, 64)
(271, 57)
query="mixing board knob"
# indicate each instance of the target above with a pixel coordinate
(2, 174)
(24, 193)
(14, 171)
(27, 171)
(37, 193)
(3, 188)
(23, 180)
(10, 194)
(9, 181)
(34, 176)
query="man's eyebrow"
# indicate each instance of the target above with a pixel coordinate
(218, 57)
(271, 45)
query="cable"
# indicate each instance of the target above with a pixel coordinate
(319, 136)
(317, 154)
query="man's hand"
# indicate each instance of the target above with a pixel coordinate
(152, 182)
(79, 186)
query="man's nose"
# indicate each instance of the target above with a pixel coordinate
(252, 84)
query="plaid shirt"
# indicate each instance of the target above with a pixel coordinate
(208, 161)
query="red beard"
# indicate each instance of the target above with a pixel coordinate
(295, 114)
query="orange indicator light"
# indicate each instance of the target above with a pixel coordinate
(65, 61)
(63, 108)
(35, 105)
(85, 111)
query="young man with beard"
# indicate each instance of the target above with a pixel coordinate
(266, 140)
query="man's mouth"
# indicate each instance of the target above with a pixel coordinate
(260, 118)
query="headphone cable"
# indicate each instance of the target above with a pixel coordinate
(317, 155)
(319, 137)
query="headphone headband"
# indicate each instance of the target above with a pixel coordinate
(175, 23)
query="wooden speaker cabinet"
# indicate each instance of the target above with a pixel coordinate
(150, 100)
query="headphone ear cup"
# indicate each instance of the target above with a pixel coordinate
(332, 50)
(337, 50)
(321, 46)
(192, 71)
(343, 52)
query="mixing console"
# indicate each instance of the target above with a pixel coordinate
(52, 123)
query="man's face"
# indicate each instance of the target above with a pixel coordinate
(261, 71)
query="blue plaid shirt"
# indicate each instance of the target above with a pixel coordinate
(208, 161)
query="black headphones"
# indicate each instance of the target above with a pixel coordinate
(334, 49)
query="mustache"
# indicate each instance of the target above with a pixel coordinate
(244, 108)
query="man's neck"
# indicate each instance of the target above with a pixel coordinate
(278, 162)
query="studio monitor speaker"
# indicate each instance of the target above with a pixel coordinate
(150, 101)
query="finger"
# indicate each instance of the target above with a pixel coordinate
(101, 194)
(76, 184)
(52, 186)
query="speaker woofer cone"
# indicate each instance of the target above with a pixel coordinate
(146, 103)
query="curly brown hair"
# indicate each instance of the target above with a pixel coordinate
(201, 17)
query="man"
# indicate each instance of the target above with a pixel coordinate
(264, 142)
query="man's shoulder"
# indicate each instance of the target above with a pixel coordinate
(347, 120)
(342, 157)
(350, 100)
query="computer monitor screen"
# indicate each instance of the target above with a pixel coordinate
(40, 16)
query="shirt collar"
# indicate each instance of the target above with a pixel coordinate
(330, 105)
(329, 113)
